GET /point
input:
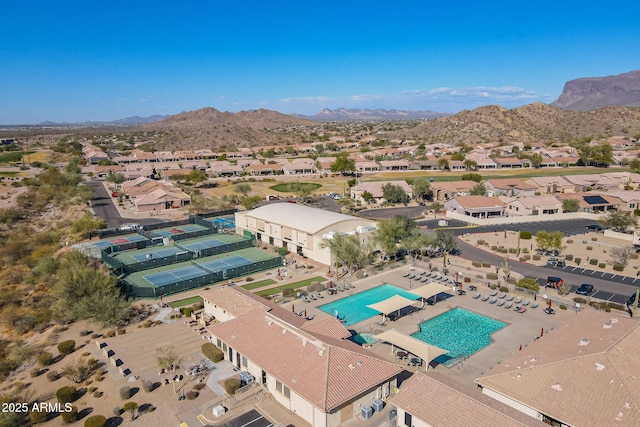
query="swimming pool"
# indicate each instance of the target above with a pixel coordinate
(353, 309)
(459, 331)
(363, 339)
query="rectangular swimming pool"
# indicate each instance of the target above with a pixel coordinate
(353, 309)
(459, 331)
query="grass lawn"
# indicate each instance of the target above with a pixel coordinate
(290, 187)
(186, 301)
(259, 284)
(38, 156)
(9, 174)
(12, 156)
(296, 285)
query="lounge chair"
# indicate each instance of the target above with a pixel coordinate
(526, 302)
(485, 298)
(535, 304)
(317, 295)
(518, 300)
(510, 298)
(521, 309)
(305, 299)
(427, 274)
(301, 313)
(494, 293)
(422, 273)
(493, 300)
(407, 274)
(311, 317)
(340, 288)
(500, 303)
(424, 279)
(502, 295)
(476, 295)
(435, 276)
(508, 305)
(548, 310)
(311, 296)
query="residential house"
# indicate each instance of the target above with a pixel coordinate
(299, 167)
(394, 165)
(593, 202)
(533, 205)
(224, 168)
(160, 199)
(104, 171)
(509, 187)
(630, 200)
(375, 189)
(260, 169)
(363, 167)
(592, 182)
(551, 184)
(425, 165)
(476, 206)
(449, 189)
(510, 162)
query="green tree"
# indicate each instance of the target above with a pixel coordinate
(470, 165)
(458, 155)
(421, 188)
(445, 241)
(570, 205)
(367, 197)
(471, 177)
(250, 202)
(115, 178)
(242, 188)
(394, 194)
(478, 190)
(536, 160)
(131, 407)
(443, 163)
(391, 232)
(167, 356)
(548, 241)
(343, 164)
(88, 223)
(349, 251)
(619, 220)
(196, 176)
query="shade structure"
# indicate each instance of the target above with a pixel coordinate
(392, 304)
(423, 350)
(430, 289)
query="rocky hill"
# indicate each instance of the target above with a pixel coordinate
(533, 122)
(210, 128)
(596, 92)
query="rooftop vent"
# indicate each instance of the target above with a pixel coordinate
(583, 341)
(606, 325)
(557, 387)
(599, 367)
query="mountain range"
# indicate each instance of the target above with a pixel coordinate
(590, 93)
(344, 114)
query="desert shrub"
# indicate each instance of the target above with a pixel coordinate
(95, 421)
(492, 276)
(593, 261)
(634, 256)
(580, 300)
(527, 257)
(84, 333)
(38, 417)
(125, 392)
(231, 385)
(513, 250)
(110, 334)
(522, 259)
(589, 248)
(147, 386)
(71, 416)
(504, 250)
(504, 289)
(157, 323)
(525, 235)
(287, 292)
(578, 260)
(198, 306)
(525, 250)
(618, 267)
(528, 283)
(66, 347)
(569, 257)
(481, 242)
(147, 323)
(121, 331)
(536, 257)
(45, 358)
(52, 376)
(602, 265)
(494, 248)
(617, 306)
(493, 286)
(192, 394)
(212, 352)
(594, 239)
(117, 411)
(563, 307)
(66, 394)
(569, 241)
(97, 394)
(96, 335)
(486, 265)
(186, 311)
(476, 264)
(34, 372)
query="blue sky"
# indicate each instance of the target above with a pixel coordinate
(75, 61)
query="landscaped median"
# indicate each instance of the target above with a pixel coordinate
(295, 285)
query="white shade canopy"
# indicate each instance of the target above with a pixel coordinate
(423, 350)
(392, 304)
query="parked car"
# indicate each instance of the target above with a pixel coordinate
(594, 227)
(554, 262)
(130, 226)
(585, 289)
(556, 282)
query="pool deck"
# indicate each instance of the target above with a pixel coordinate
(521, 329)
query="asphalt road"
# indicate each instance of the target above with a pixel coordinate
(104, 208)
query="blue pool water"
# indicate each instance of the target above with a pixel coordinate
(354, 308)
(363, 339)
(460, 331)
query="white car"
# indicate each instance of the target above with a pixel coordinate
(130, 226)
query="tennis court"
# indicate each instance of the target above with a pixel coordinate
(223, 221)
(119, 240)
(155, 252)
(200, 244)
(173, 231)
(177, 275)
(225, 264)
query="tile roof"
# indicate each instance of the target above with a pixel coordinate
(584, 372)
(326, 372)
(479, 201)
(375, 187)
(461, 186)
(509, 183)
(233, 302)
(432, 401)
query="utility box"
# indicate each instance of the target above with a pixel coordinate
(367, 412)
(443, 223)
(219, 411)
(246, 378)
(377, 405)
